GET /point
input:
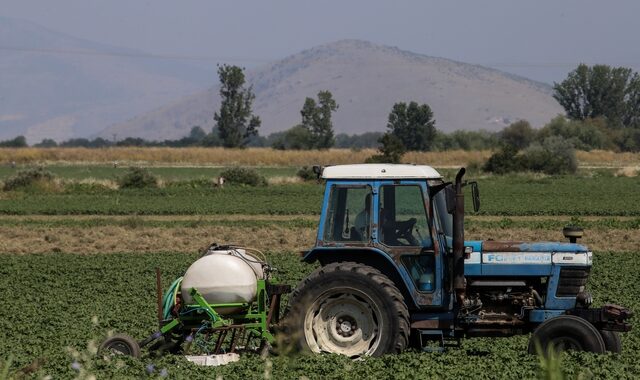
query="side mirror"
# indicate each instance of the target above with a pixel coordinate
(475, 196)
(450, 198)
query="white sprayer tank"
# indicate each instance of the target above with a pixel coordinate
(223, 276)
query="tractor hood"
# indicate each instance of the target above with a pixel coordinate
(521, 246)
(492, 257)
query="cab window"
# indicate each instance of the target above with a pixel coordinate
(421, 268)
(348, 216)
(402, 218)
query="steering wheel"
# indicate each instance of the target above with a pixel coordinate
(405, 230)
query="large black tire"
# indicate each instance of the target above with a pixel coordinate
(567, 332)
(347, 308)
(120, 344)
(612, 341)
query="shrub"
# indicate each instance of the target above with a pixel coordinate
(138, 178)
(519, 134)
(243, 176)
(584, 134)
(37, 177)
(504, 161)
(307, 174)
(554, 156)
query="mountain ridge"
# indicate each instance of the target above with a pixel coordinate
(366, 80)
(54, 85)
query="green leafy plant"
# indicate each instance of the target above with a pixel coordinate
(306, 173)
(243, 176)
(36, 179)
(138, 178)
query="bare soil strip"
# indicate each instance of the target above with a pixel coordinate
(109, 239)
(242, 217)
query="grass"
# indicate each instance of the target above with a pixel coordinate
(167, 173)
(66, 300)
(598, 195)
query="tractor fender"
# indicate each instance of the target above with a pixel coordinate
(370, 256)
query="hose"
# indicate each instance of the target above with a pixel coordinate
(169, 299)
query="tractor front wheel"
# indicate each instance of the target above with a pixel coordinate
(350, 309)
(566, 332)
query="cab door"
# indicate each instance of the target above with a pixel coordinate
(404, 232)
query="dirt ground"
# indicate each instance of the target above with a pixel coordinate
(108, 239)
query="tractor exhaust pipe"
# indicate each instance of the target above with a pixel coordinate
(458, 239)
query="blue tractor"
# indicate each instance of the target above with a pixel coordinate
(396, 271)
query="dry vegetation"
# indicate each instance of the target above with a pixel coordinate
(223, 157)
(113, 239)
(270, 157)
(110, 239)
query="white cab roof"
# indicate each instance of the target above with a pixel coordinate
(376, 171)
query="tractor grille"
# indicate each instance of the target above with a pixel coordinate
(572, 281)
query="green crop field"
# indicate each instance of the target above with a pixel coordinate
(51, 302)
(58, 305)
(170, 173)
(562, 195)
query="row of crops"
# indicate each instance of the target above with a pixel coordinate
(499, 195)
(65, 300)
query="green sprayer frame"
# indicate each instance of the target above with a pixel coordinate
(184, 322)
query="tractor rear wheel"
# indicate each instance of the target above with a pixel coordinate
(120, 344)
(350, 309)
(567, 332)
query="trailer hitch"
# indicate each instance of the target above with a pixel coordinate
(609, 317)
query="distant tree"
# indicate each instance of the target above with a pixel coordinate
(235, 121)
(518, 134)
(132, 141)
(465, 140)
(601, 91)
(76, 143)
(358, 141)
(18, 142)
(100, 142)
(212, 139)
(391, 150)
(46, 143)
(585, 134)
(316, 117)
(628, 139)
(413, 125)
(197, 134)
(298, 138)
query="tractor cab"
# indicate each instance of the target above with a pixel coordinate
(392, 213)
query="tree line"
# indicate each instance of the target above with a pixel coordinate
(602, 106)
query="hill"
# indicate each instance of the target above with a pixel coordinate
(366, 80)
(59, 86)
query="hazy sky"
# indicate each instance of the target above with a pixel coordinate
(541, 40)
